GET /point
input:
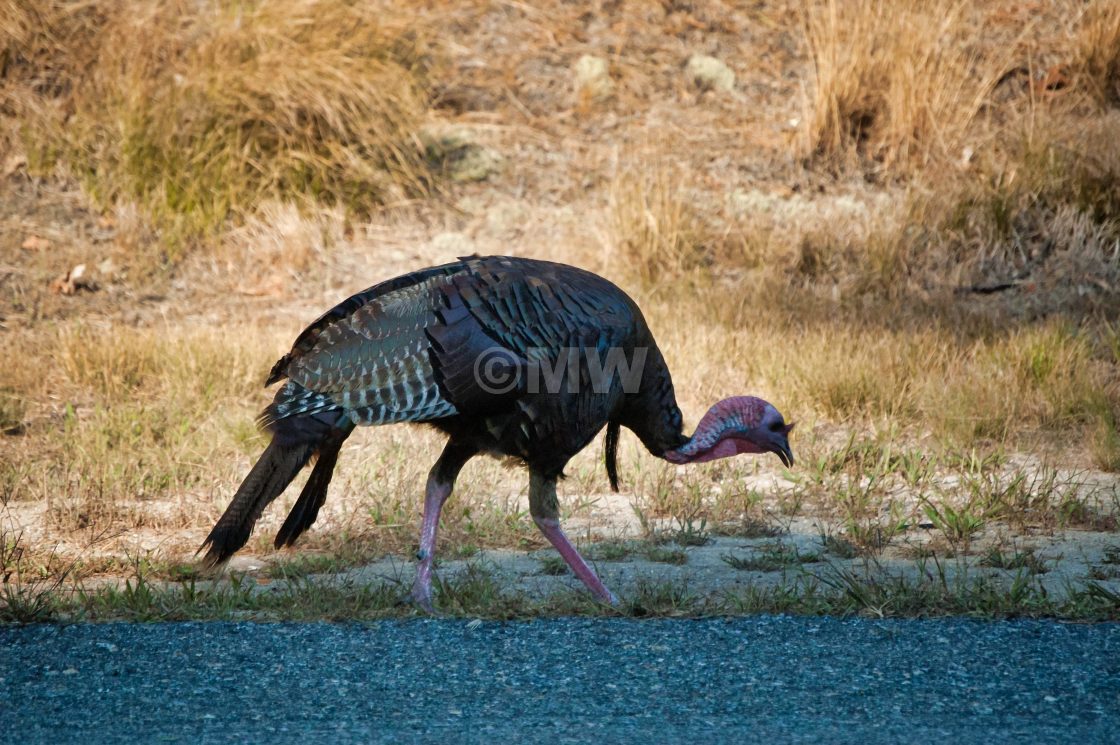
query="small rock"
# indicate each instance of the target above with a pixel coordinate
(444, 139)
(462, 158)
(245, 564)
(35, 243)
(708, 73)
(592, 78)
(476, 164)
(967, 154)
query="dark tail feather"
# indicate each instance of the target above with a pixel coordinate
(611, 455)
(270, 476)
(295, 439)
(314, 492)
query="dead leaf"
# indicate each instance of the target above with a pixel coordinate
(35, 243)
(14, 163)
(72, 281)
(1055, 79)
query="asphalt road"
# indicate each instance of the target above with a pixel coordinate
(756, 679)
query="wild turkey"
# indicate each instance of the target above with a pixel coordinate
(508, 356)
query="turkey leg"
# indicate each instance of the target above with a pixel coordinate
(546, 514)
(441, 480)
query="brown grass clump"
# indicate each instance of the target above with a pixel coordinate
(1040, 212)
(1097, 56)
(655, 227)
(982, 110)
(199, 113)
(897, 83)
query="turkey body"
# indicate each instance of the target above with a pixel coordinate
(507, 356)
(469, 347)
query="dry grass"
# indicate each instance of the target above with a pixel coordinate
(1012, 176)
(200, 113)
(958, 383)
(125, 417)
(1041, 213)
(655, 227)
(898, 83)
(665, 225)
(1096, 59)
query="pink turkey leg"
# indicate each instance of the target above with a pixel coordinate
(551, 529)
(434, 497)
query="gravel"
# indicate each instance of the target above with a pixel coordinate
(756, 679)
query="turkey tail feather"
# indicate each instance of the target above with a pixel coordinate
(314, 493)
(294, 441)
(611, 454)
(277, 466)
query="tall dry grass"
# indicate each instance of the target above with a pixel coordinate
(127, 414)
(959, 381)
(200, 113)
(1038, 212)
(1096, 59)
(656, 227)
(895, 83)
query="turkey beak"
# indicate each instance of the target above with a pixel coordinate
(781, 447)
(786, 455)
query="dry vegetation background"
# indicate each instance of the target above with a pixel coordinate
(899, 221)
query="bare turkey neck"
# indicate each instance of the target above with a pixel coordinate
(706, 436)
(716, 434)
